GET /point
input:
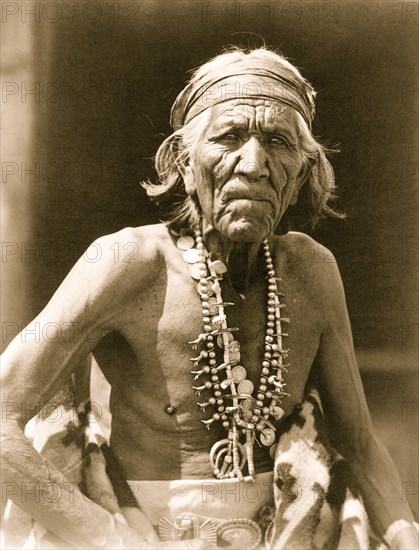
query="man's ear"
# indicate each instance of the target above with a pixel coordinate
(189, 180)
(302, 178)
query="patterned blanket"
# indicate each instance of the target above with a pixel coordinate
(316, 505)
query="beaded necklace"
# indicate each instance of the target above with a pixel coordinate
(231, 400)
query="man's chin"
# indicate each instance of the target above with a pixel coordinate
(244, 230)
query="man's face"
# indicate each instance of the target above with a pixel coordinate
(246, 168)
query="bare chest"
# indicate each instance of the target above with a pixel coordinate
(154, 362)
(157, 429)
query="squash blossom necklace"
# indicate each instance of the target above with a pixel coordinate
(217, 371)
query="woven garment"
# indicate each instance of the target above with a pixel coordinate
(314, 504)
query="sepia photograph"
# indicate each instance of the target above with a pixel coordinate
(209, 252)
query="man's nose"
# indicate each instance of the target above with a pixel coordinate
(252, 161)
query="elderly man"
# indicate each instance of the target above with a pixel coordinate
(222, 290)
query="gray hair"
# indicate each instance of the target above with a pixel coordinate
(181, 210)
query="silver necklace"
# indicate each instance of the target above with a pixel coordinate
(217, 371)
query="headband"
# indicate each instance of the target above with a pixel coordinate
(260, 83)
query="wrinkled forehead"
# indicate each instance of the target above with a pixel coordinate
(271, 78)
(253, 114)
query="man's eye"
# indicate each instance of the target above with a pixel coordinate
(231, 136)
(277, 140)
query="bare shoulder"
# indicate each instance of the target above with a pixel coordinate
(300, 248)
(134, 244)
(111, 270)
(312, 263)
(132, 251)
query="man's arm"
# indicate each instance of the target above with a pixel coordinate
(34, 369)
(348, 418)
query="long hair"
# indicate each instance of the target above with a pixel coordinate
(178, 209)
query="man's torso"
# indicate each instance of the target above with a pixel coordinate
(147, 357)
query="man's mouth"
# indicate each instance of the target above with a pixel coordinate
(248, 202)
(227, 200)
(244, 206)
(237, 190)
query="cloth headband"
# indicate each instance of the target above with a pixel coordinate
(256, 83)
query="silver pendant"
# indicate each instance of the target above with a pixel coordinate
(221, 449)
(218, 267)
(245, 387)
(238, 373)
(185, 243)
(220, 339)
(192, 256)
(234, 357)
(267, 437)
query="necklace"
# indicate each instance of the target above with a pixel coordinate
(217, 371)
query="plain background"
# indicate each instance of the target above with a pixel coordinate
(87, 92)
